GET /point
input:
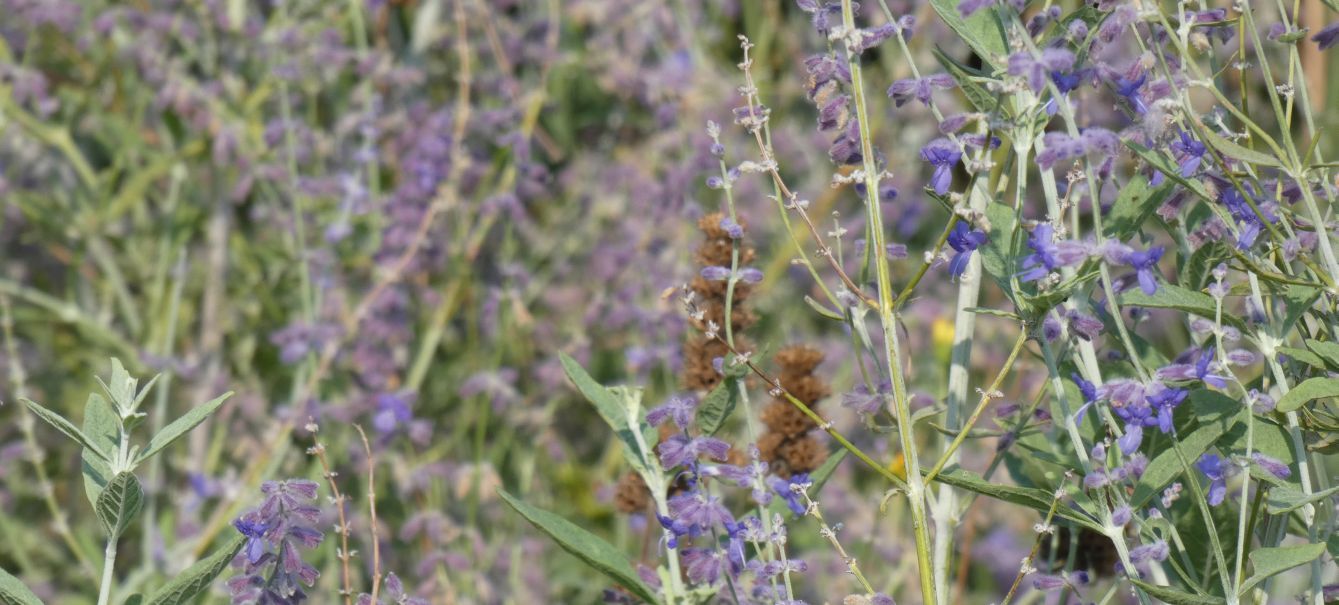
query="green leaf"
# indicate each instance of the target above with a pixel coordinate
(717, 407)
(997, 253)
(822, 309)
(586, 546)
(1169, 296)
(1286, 498)
(1328, 352)
(1269, 562)
(100, 424)
(977, 94)
(1237, 152)
(1135, 203)
(1031, 497)
(65, 427)
(118, 504)
(982, 31)
(122, 387)
(613, 408)
(181, 426)
(1196, 271)
(1310, 389)
(197, 578)
(1166, 466)
(1298, 300)
(1304, 356)
(13, 592)
(1172, 596)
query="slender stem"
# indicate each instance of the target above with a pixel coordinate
(108, 570)
(916, 493)
(986, 396)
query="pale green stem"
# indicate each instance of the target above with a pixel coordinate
(916, 493)
(108, 569)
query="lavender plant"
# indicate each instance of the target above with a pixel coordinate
(1140, 446)
(1051, 321)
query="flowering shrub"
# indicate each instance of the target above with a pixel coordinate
(1052, 320)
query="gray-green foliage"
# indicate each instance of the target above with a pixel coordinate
(110, 457)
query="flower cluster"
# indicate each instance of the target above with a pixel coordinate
(273, 571)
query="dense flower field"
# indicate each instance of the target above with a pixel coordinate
(683, 301)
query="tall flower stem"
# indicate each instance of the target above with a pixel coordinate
(916, 494)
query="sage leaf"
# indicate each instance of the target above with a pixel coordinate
(118, 504)
(13, 591)
(198, 577)
(181, 426)
(717, 406)
(1310, 390)
(588, 547)
(1270, 562)
(67, 428)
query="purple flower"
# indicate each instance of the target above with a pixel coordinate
(1036, 69)
(271, 563)
(943, 154)
(1128, 88)
(1145, 264)
(1189, 153)
(967, 8)
(1274, 466)
(1199, 372)
(1048, 255)
(1328, 36)
(863, 401)
(1086, 327)
(1247, 220)
(699, 510)
(964, 242)
(792, 497)
(1059, 147)
(715, 273)
(1088, 390)
(919, 88)
(1156, 551)
(678, 409)
(1129, 442)
(1215, 469)
(392, 411)
(680, 450)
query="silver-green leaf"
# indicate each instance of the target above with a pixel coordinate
(101, 427)
(197, 578)
(615, 407)
(181, 426)
(717, 406)
(13, 592)
(67, 428)
(118, 504)
(1270, 562)
(588, 547)
(1310, 390)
